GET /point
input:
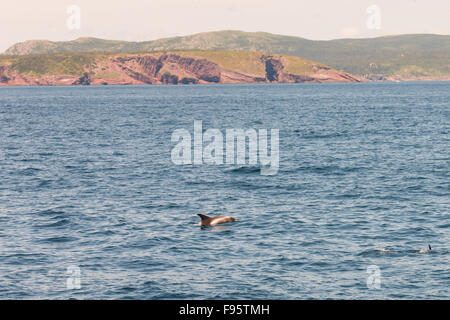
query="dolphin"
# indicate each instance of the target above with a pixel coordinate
(212, 221)
(425, 250)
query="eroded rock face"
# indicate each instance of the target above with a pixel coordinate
(172, 68)
(10, 77)
(168, 78)
(3, 75)
(187, 80)
(203, 69)
(287, 77)
(148, 69)
(275, 73)
(84, 80)
(274, 69)
(150, 65)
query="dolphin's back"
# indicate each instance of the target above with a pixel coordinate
(212, 221)
(219, 220)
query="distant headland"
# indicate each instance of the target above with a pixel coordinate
(226, 57)
(178, 67)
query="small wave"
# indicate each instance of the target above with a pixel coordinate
(172, 205)
(60, 239)
(28, 171)
(295, 263)
(45, 154)
(319, 135)
(44, 183)
(256, 122)
(244, 170)
(56, 224)
(329, 169)
(51, 212)
(201, 182)
(319, 263)
(12, 154)
(24, 258)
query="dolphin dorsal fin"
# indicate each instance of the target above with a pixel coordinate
(202, 216)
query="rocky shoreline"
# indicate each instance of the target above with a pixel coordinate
(174, 68)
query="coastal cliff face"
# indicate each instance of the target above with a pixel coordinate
(165, 68)
(399, 58)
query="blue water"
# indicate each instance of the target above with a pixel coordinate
(86, 180)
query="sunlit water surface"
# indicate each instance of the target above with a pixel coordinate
(86, 180)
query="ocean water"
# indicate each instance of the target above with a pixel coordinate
(92, 207)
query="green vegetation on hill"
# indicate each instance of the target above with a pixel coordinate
(45, 64)
(407, 55)
(244, 62)
(164, 67)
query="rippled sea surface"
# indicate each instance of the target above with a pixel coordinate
(86, 181)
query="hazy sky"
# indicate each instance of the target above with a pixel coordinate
(138, 20)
